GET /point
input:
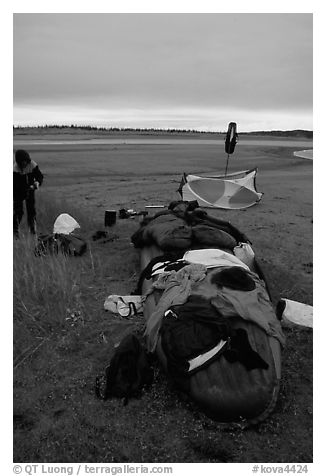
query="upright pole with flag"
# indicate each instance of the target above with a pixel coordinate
(230, 142)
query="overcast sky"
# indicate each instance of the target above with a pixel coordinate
(162, 70)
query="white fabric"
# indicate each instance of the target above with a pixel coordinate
(65, 224)
(202, 358)
(298, 313)
(213, 258)
(158, 268)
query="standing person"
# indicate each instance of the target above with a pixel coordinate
(27, 179)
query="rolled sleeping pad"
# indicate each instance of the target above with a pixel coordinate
(296, 312)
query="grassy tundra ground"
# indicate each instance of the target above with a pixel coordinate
(63, 338)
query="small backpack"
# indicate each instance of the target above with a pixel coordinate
(70, 245)
(128, 372)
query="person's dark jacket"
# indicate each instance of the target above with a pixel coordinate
(25, 179)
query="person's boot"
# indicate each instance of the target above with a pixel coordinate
(16, 228)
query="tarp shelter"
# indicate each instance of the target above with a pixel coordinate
(232, 191)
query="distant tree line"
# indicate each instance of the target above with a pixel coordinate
(112, 129)
(292, 133)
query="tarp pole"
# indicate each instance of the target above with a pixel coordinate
(227, 163)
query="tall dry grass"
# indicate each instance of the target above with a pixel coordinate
(46, 289)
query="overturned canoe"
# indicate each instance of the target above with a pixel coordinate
(232, 191)
(226, 391)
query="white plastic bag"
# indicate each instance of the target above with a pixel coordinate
(65, 224)
(125, 306)
(245, 253)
